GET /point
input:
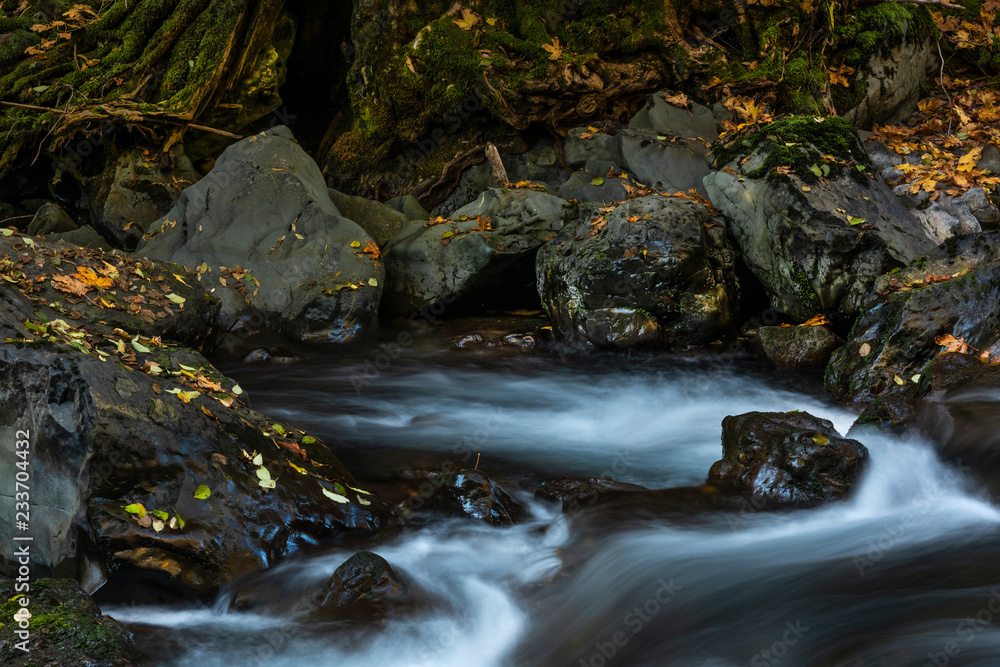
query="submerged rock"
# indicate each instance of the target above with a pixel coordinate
(787, 459)
(67, 628)
(814, 243)
(575, 493)
(661, 272)
(468, 493)
(954, 291)
(265, 208)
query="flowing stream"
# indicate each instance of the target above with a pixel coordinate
(902, 573)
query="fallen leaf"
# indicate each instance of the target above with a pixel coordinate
(202, 492)
(469, 19)
(135, 509)
(335, 497)
(555, 51)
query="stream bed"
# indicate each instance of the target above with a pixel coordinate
(901, 573)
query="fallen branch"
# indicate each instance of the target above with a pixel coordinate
(32, 107)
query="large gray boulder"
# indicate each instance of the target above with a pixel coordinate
(484, 245)
(264, 207)
(659, 272)
(953, 292)
(815, 242)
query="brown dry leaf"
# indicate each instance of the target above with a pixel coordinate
(952, 344)
(839, 76)
(679, 100)
(817, 321)
(555, 51)
(69, 285)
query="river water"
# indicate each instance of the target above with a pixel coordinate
(905, 572)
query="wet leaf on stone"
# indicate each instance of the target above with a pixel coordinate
(175, 298)
(139, 347)
(135, 509)
(820, 439)
(160, 514)
(202, 492)
(337, 498)
(258, 460)
(597, 180)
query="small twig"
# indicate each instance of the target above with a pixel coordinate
(477, 461)
(32, 106)
(16, 217)
(951, 106)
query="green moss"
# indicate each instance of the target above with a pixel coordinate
(798, 142)
(807, 295)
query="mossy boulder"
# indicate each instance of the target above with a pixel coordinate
(660, 272)
(954, 291)
(788, 459)
(811, 220)
(798, 348)
(67, 628)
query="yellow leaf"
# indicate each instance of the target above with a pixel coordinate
(969, 161)
(469, 19)
(555, 51)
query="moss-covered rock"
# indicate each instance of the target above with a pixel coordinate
(812, 222)
(66, 628)
(893, 342)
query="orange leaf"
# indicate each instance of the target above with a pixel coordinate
(952, 344)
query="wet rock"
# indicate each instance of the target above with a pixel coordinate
(661, 117)
(442, 262)
(109, 436)
(573, 493)
(893, 341)
(956, 409)
(661, 272)
(380, 221)
(67, 628)
(468, 493)
(366, 585)
(137, 190)
(274, 355)
(521, 342)
(150, 313)
(50, 219)
(264, 207)
(798, 348)
(787, 459)
(793, 229)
